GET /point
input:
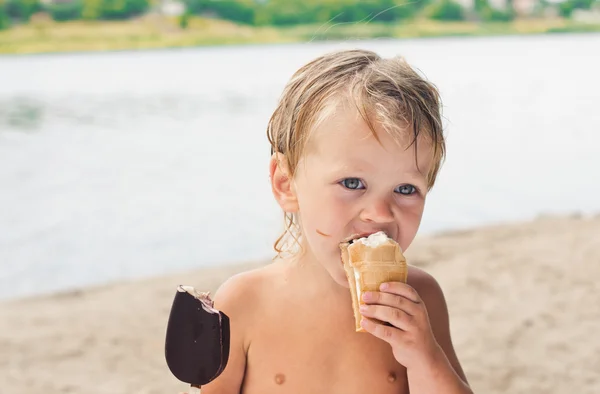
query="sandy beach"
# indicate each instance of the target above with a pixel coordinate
(523, 300)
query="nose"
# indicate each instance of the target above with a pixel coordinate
(377, 211)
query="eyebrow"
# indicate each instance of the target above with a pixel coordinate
(416, 172)
(364, 166)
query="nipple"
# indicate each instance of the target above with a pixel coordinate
(392, 377)
(280, 378)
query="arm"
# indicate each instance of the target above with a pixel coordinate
(418, 332)
(445, 370)
(228, 299)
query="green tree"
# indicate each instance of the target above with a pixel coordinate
(446, 10)
(91, 9)
(22, 9)
(238, 11)
(487, 13)
(286, 12)
(290, 12)
(567, 7)
(4, 19)
(65, 11)
(366, 11)
(123, 9)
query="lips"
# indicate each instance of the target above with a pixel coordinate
(354, 237)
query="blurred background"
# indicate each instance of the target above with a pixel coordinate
(133, 132)
(119, 164)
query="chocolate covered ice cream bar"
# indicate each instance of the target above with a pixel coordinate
(197, 338)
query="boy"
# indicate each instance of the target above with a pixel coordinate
(356, 145)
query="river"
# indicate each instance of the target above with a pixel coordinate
(128, 164)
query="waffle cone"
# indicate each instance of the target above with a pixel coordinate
(368, 267)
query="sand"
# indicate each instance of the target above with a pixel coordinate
(523, 298)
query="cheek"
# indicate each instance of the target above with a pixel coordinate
(411, 220)
(325, 215)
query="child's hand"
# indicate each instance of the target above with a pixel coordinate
(410, 333)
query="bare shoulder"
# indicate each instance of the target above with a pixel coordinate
(240, 297)
(428, 288)
(240, 292)
(245, 293)
(432, 295)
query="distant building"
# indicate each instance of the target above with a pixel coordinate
(172, 7)
(587, 16)
(523, 8)
(48, 2)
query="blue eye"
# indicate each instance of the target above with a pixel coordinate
(406, 190)
(352, 183)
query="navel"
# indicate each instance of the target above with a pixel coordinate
(280, 378)
(392, 377)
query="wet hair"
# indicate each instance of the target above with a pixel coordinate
(387, 91)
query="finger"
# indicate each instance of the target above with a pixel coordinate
(393, 300)
(401, 289)
(389, 334)
(396, 317)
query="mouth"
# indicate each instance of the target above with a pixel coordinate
(355, 237)
(350, 240)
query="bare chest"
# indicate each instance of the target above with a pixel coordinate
(310, 351)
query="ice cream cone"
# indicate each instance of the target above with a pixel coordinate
(368, 263)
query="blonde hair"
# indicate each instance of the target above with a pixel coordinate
(388, 90)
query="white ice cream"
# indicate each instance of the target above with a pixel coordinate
(374, 240)
(203, 297)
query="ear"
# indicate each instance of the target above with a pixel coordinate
(282, 184)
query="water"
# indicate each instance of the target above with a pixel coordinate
(129, 164)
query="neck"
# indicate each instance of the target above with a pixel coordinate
(306, 268)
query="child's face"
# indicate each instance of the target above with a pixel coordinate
(348, 184)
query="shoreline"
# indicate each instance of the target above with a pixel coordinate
(235, 265)
(513, 291)
(150, 33)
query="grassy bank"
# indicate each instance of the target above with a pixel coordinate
(44, 36)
